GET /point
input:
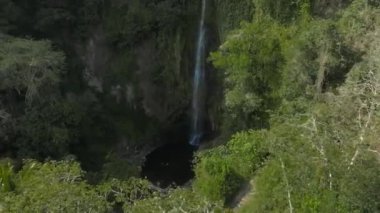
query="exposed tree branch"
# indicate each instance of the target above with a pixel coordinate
(287, 186)
(356, 154)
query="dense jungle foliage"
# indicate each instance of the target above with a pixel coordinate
(88, 87)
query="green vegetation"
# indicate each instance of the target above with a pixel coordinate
(220, 172)
(320, 87)
(60, 187)
(86, 87)
(37, 120)
(177, 200)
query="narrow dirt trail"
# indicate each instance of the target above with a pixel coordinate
(243, 196)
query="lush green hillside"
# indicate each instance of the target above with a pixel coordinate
(87, 88)
(309, 90)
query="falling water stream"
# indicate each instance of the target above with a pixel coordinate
(199, 83)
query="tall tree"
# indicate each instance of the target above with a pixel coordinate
(34, 117)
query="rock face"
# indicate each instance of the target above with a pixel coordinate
(141, 56)
(95, 58)
(138, 61)
(162, 86)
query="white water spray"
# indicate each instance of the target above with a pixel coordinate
(199, 82)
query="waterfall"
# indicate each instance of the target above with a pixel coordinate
(199, 83)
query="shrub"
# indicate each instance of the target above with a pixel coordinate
(221, 172)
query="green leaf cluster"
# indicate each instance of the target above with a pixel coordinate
(222, 171)
(53, 187)
(176, 200)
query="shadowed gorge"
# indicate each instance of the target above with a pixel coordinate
(170, 164)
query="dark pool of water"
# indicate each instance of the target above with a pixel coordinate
(170, 164)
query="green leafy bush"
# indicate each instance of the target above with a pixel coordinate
(221, 172)
(125, 192)
(216, 177)
(251, 59)
(177, 200)
(59, 186)
(6, 177)
(32, 68)
(53, 187)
